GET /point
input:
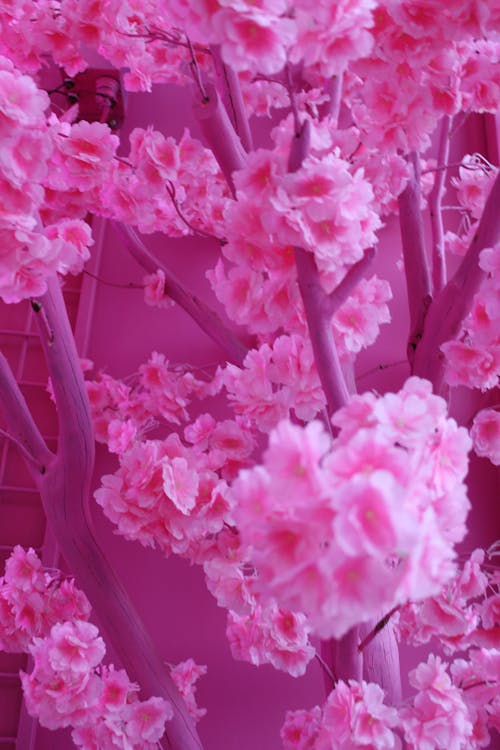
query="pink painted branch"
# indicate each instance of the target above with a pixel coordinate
(381, 658)
(336, 299)
(334, 91)
(316, 303)
(435, 201)
(418, 282)
(453, 304)
(219, 134)
(65, 491)
(319, 323)
(348, 662)
(20, 422)
(231, 85)
(203, 315)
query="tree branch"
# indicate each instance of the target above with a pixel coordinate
(65, 491)
(418, 282)
(23, 430)
(341, 294)
(203, 315)
(219, 134)
(435, 201)
(316, 301)
(453, 304)
(230, 84)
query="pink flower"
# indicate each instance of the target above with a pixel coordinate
(121, 435)
(146, 719)
(438, 718)
(180, 483)
(155, 292)
(300, 730)
(22, 104)
(75, 647)
(367, 522)
(485, 435)
(185, 675)
(355, 716)
(116, 690)
(23, 569)
(254, 40)
(88, 151)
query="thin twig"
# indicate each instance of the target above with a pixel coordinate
(329, 672)
(27, 455)
(170, 187)
(378, 627)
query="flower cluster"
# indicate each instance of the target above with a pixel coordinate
(185, 675)
(32, 601)
(165, 185)
(272, 635)
(30, 252)
(459, 616)
(66, 689)
(46, 616)
(455, 707)
(338, 531)
(354, 716)
(164, 495)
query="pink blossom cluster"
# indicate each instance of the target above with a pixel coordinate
(260, 37)
(185, 675)
(354, 716)
(339, 530)
(30, 251)
(324, 207)
(32, 601)
(140, 38)
(270, 634)
(121, 413)
(281, 376)
(164, 495)
(438, 717)
(421, 69)
(480, 77)
(473, 359)
(166, 185)
(456, 706)
(478, 679)
(67, 687)
(461, 615)
(63, 688)
(47, 616)
(156, 291)
(273, 380)
(485, 434)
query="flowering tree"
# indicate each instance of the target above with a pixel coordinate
(313, 509)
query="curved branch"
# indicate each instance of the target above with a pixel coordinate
(435, 201)
(21, 424)
(65, 489)
(316, 301)
(230, 83)
(203, 315)
(454, 303)
(219, 134)
(341, 294)
(418, 281)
